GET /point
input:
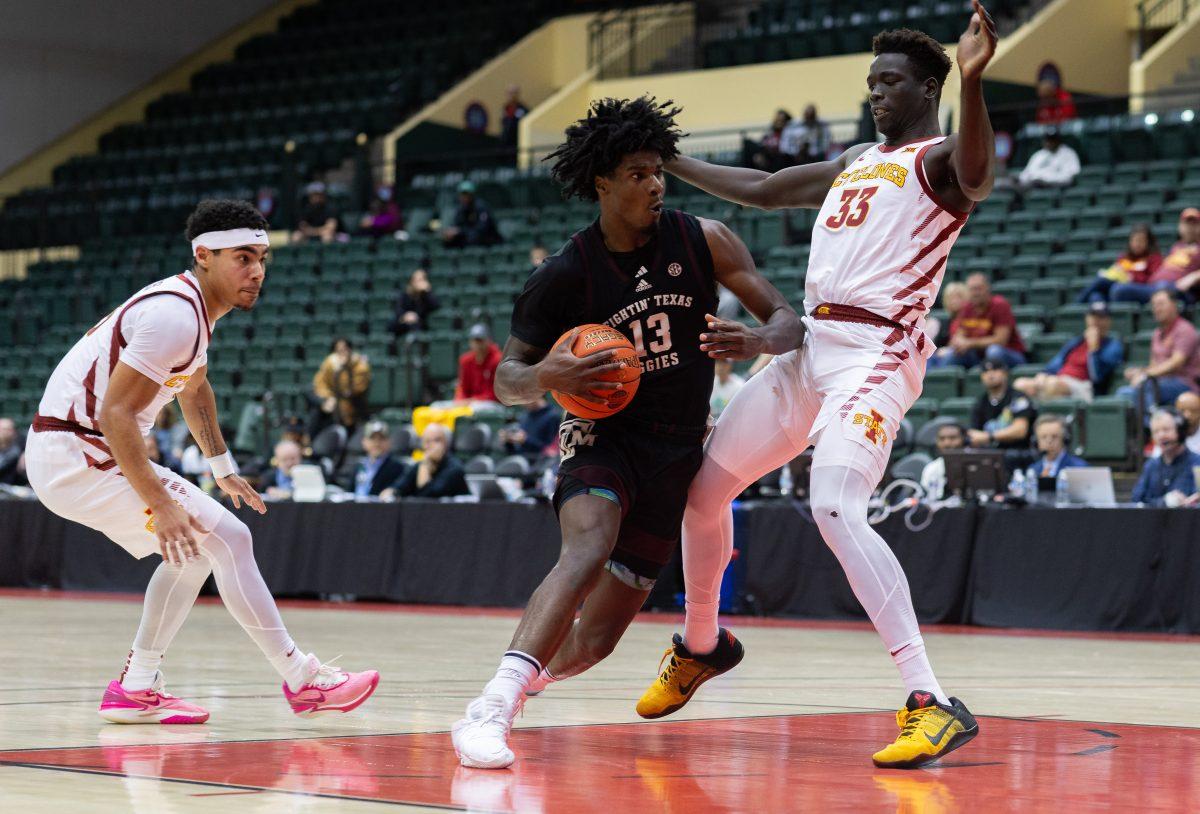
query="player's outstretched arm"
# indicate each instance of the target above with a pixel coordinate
(199, 406)
(781, 329)
(791, 188)
(526, 372)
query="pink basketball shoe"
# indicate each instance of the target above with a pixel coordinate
(329, 689)
(152, 706)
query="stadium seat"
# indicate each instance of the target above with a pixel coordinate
(942, 383)
(1106, 428)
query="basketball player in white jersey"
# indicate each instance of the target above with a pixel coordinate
(889, 214)
(86, 461)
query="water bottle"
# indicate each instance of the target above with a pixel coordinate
(786, 486)
(548, 482)
(1061, 498)
(1016, 486)
(1031, 486)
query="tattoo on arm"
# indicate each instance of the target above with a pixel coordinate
(208, 432)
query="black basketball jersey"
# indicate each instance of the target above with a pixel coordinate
(656, 296)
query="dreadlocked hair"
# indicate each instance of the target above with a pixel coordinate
(613, 129)
(925, 53)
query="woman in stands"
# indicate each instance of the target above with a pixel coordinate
(1136, 265)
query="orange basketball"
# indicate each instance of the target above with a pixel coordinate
(594, 339)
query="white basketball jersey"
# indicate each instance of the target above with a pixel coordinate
(165, 338)
(882, 237)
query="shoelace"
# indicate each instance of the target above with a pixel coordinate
(669, 673)
(327, 675)
(493, 711)
(913, 721)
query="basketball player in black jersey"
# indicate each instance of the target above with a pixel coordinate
(651, 273)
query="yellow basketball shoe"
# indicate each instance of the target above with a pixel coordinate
(928, 731)
(684, 674)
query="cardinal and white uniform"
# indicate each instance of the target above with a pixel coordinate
(879, 251)
(163, 333)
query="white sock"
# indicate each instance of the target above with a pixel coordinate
(516, 671)
(916, 671)
(292, 665)
(140, 669)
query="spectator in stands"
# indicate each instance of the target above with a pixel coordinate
(1174, 357)
(265, 202)
(1179, 271)
(477, 367)
(766, 155)
(473, 221)
(383, 216)
(415, 303)
(192, 464)
(1055, 165)
(1137, 265)
(984, 328)
(157, 455)
(1002, 417)
(725, 385)
(12, 453)
(933, 476)
(341, 385)
(437, 474)
(807, 140)
(1188, 407)
(1051, 434)
(277, 481)
(317, 218)
(1168, 480)
(536, 433)
(170, 432)
(1055, 105)
(1084, 366)
(954, 297)
(510, 117)
(537, 256)
(378, 468)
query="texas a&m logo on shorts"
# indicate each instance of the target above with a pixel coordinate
(576, 432)
(873, 421)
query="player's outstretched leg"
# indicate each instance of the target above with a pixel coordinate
(931, 724)
(309, 686)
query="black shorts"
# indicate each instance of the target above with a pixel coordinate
(648, 470)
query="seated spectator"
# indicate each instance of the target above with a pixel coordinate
(1051, 434)
(277, 481)
(192, 464)
(1055, 165)
(383, 216)
(984, 328)
(1084, 366)
(536, 432)
(766, 155)
(1002, 418)
(1188, 407)
(954, 297)
(378, 469)
(1055, 105)
(473, 221)
(317, 218)
(933, 476)
(1179, 271)
(1174, 357)
(1137, 265)
(477, 367)
(726, 383)
(537, 256)
(341, 385)
(12, 454)
(437, 474)
(170, 431)
(1168, 480)
(414, 305)
(156, 455)
(807, 140)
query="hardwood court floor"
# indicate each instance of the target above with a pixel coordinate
(1068, 723)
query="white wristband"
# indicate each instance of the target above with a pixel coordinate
(222, 465)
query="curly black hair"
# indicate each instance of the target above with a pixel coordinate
(925, 53)
(613, 129)
(218, 215)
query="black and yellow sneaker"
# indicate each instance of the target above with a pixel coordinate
(928, 731)
(684, 674)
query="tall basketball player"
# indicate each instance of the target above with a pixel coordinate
(889, 214)
(650, 273)
(87, 462)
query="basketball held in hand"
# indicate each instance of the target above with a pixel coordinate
(598, 339)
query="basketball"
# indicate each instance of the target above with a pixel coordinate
(594, 339)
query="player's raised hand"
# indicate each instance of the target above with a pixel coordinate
(238, 490)
(565, 372)
(726, 339)
(977, 45)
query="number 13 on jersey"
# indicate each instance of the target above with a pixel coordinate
(856, 204)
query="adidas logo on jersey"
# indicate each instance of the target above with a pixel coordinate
(643, 286)
(641, 272)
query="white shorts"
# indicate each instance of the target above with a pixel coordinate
(67, 486)
(844, 390)
(1080, 389)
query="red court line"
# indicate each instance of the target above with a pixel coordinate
(675, 619)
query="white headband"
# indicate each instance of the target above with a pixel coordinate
(231, 238)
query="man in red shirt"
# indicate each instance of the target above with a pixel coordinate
(1174, 356)
(984, 328)
(1179, 270)
(477, 367)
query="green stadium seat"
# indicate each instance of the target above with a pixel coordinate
(959, 408)
(1048, 293)
(942, 383)
(921, 411)
(1107, 425)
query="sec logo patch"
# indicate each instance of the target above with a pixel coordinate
(674, 269)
